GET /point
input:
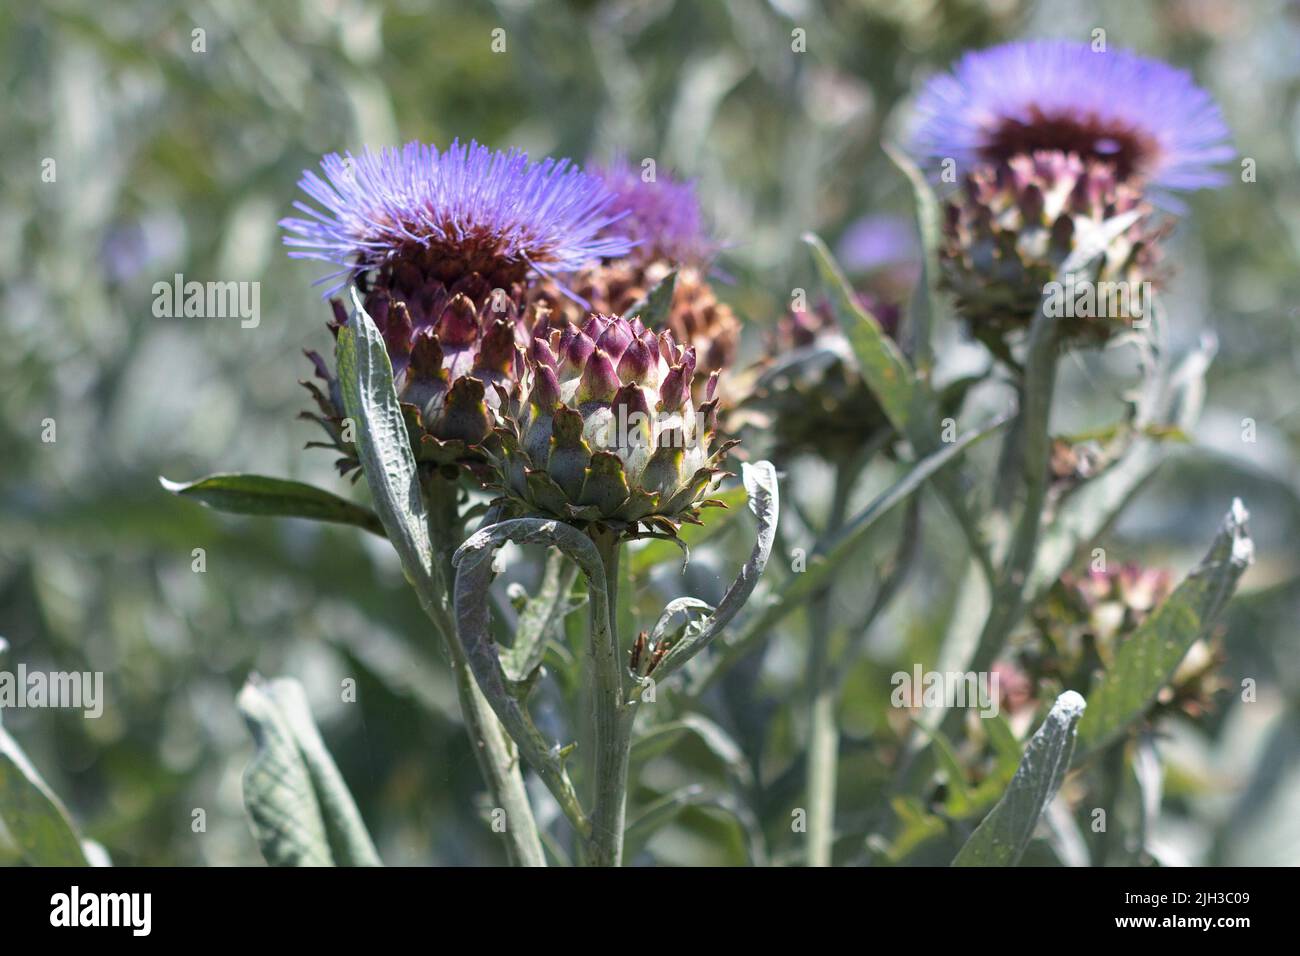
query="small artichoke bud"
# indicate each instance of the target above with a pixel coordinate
(809, 397)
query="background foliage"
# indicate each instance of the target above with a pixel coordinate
(174, 161)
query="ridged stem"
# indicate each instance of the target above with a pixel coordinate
(612, 718)
(823, 731)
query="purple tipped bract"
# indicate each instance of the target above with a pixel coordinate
(463, 210)
(661, 214)
(1147, 119)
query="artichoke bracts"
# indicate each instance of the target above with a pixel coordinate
(601, 428)
(1009, 231)
(449, 346)
(695, 317)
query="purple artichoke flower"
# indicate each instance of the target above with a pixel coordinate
(602, 428)
(1145, 119)
(1053, 141)
(467, 210)
(444, 247)
(662, 215)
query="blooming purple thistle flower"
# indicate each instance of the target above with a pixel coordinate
(1148, 120)
(662, 215)
(463, 210)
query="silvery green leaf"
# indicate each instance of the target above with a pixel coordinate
(1002, 836)
(35, 820)
(882, 366)
(830, 554)
(928, 302)
(301, 811)
(1147, 659)
(259, 495)
(383, 445)
(540, 614)
(683, 606)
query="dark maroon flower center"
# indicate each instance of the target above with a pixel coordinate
(1128, 151)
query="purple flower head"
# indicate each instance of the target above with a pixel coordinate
(452, 213)
(1148, 120)
(662, 214)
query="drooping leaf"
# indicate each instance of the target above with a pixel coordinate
(928, 303)
(1147, 659)
(1002, 836)
(279, 497)
(473, 563)
(35, 819)
(301, 811)
(830, 555)
(765, 504)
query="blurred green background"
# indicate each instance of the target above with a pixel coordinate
(169, 160)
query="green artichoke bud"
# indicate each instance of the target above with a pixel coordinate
(602, 428)
(809, 397)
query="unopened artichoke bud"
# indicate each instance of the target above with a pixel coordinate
(1007, 234)
(602, 428)
(443, 246)
(446, 358)
(809, 397)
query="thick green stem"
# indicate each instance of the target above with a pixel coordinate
(495, 753)
(823, 732)
(612, 718)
